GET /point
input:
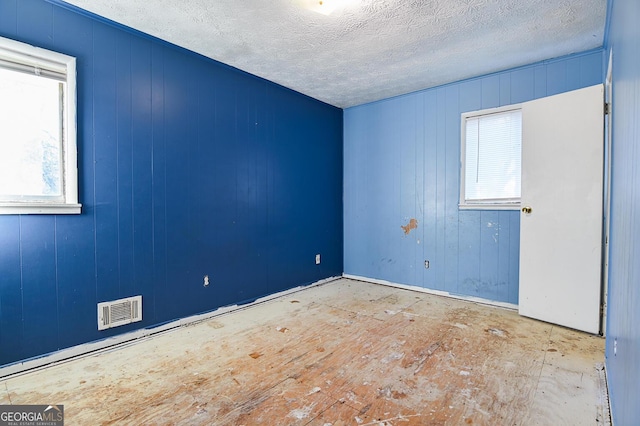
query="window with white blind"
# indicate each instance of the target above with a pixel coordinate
(38, 158)
(490, 159)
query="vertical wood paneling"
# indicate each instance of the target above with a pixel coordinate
(441, 189)
(490, 92)
(180, 101)
(190, 282)
(623, 309)
(451, 184)
(420, 254)
(573, 74)
(206, 259)
(224, 186)
(514, 253)
(429, 187)
(75, 259)
(106, 163)
(260, 241)
(124, 164)
(539, 81)
(35, 22)
(9, 18)
(473, 253)
(488, 285)
(11, 325)
(556, 78)
(522, 85)
(187, 167)
(381, 179)
(355, 204)
(470, 245)
(404, 119)
(469, 254)
(158, 185)
(142, 173)
(505, 88)
(39, 284)
(245, 167)
(502, 233)
(590, 66)
(291, 180)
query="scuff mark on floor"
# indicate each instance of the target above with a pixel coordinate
(314, 390)
(497, 332)
(393, 356)
(301, 413)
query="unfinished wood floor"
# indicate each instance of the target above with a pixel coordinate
(343, 353)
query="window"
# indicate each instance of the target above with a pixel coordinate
(38, 168)
(490, 163)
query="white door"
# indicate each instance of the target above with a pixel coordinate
(561, 217)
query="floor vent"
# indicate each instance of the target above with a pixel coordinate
(119, 312)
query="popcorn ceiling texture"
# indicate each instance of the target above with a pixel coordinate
(371, 49)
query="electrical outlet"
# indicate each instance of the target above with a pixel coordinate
(426, 264)
(317, 259)
(206, 281)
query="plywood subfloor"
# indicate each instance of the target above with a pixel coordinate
(344, 353)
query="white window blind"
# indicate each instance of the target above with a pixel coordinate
(17, 61)
(492, 152)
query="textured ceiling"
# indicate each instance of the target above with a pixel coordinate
(368, 49)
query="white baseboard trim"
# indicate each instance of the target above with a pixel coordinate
(479, 300)
(75, 352)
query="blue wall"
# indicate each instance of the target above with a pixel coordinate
(623, 314)
(401, 162)
(187, 167)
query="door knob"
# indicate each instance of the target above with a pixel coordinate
(527, 210)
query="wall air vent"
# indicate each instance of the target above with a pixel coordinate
(119, 312)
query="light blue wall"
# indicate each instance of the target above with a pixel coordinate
(401, 161)
(623, 314)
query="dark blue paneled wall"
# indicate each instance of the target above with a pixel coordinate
(623, 313)
(402, 160)
(187, 167)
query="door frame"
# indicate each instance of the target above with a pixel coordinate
(608, 138)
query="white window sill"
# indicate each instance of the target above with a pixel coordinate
(510, 206)
(32, 208)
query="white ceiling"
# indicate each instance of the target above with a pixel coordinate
(369, 49)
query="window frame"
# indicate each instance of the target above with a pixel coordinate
(27, 54)
(463, 204)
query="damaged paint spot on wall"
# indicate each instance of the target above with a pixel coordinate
(496, 234)
(413, 224)
(486, 289)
